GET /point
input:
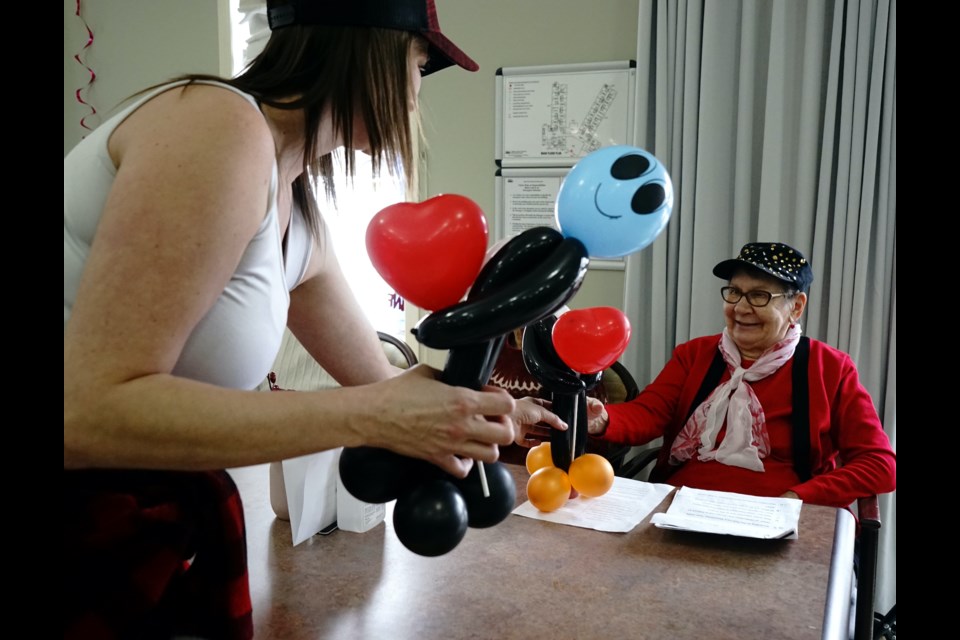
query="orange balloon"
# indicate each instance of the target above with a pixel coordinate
(548, 488)
(591, 475)
(539, 457)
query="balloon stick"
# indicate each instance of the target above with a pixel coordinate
(483, 479)
(573, 439)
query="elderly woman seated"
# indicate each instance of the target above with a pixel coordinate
(759, 409)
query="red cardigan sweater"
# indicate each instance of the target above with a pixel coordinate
(845, 429)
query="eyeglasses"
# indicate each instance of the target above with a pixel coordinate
(755, 298)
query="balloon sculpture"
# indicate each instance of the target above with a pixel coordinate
(567, 356)
(616, 200)
(432, 252)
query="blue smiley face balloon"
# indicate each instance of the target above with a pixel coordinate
(615, 201)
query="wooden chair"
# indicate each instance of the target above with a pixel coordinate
(398, 352)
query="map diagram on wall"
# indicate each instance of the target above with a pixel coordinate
(555, 119)
(570, 137)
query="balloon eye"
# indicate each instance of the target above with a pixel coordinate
(648, 198)
(629, 167)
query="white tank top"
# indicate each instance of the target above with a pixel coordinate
(235, 344)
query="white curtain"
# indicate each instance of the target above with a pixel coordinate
(777, 121)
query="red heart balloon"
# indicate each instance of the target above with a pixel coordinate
(590, 340)
(430, 252)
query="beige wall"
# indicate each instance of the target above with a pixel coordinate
(136, 43)
(459, 106)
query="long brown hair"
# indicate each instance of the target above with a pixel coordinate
(352, 71)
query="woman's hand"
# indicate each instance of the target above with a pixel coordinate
(533, 421)
(449, 426)
(597, 417)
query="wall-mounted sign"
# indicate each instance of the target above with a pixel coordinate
(551, 116)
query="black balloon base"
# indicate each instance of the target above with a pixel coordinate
(433, 509)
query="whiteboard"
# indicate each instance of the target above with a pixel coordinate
(551, 116)
(526, 198)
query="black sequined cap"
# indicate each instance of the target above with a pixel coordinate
(781, 261)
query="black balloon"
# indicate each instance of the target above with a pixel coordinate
(539, 292)
(431, 519)
(496, 345)
(567, 388)
(378, 475)
(541, 360)
(490, 510)
(520, 255)
(471, 365)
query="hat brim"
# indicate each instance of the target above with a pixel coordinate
(727, 268)
(443, 53)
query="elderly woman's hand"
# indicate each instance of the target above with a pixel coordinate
(533, 422)
(597, 417)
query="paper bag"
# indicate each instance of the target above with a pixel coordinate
(311, 484)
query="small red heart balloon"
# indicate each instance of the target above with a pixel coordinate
(430, 252)
(590, 340)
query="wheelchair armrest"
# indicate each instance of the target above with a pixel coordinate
(868, 511)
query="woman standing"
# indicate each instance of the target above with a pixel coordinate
(191, 238)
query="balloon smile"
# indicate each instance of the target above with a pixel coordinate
(597, 205)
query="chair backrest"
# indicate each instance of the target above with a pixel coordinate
(294, 369)
(619, 384)
(398, 352)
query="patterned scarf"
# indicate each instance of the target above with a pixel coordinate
(746, 441)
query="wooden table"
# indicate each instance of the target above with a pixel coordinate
(527, 578)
